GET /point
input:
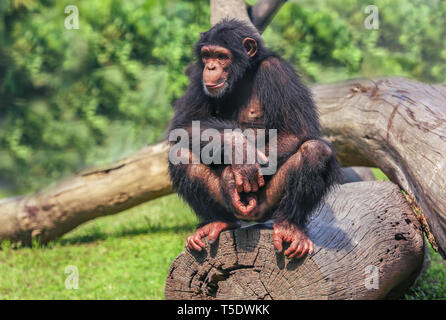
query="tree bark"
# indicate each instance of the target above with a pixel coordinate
(50, 213)
(399, 126)
(233, 9)
(263, 11)
(368, 245)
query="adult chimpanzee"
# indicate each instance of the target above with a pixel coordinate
(237, 83)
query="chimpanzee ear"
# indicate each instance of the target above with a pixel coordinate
(251, 46)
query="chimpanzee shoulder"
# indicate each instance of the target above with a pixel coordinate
(288, 104)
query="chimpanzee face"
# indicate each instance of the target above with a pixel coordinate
(218, 65)
(217, 61)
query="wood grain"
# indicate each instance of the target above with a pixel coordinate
(399, 126)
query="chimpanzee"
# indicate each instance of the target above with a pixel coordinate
(237, 83)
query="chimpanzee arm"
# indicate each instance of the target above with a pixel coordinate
(289, 109)
(201, 188)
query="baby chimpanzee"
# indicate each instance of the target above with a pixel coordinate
(238, 84)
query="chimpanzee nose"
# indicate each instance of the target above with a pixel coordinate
(211, 67)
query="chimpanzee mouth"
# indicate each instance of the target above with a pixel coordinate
(215, 86)
(216, 90)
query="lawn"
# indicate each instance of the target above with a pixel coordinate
(127, 256)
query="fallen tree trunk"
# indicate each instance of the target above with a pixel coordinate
(399, 126)
(50, 213)
(367, 246)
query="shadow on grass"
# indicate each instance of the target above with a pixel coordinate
(98, 235)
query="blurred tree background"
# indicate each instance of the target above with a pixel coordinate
(75, 98)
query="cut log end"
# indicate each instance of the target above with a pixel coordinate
(369, 246)
(243, 265)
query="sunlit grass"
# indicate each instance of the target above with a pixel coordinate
(125, 256)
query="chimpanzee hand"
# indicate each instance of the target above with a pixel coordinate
(246, 161)
(211, 230)
(288, 232)
(232, 196)
(248, 177)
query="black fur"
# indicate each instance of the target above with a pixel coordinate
(288, 107)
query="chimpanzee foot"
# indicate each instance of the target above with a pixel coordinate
(289, 232)
(211, 230)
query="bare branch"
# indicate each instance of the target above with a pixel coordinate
(235, 9)
(263, 12)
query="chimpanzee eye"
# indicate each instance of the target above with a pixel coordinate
(205, 54)
(222, 56)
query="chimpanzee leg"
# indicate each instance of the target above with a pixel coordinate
(200, 187)
(296, 190)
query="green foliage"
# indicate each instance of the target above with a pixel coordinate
(327, 39)
(71, 98)
(74, 98)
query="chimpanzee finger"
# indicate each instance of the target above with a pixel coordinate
(254, 186)
(311, 247)
(277, 240)
(298, 250)
(246, 185)
(260, 179)
(197, 240)
(292, 248)
(302, 251)
(192, 245)
(239, 206)
(237, 203)
(212, 237)
(251, 206)
(235, 196)
(238, 180)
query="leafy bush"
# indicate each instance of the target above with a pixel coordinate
(71, 98)
(327, 39)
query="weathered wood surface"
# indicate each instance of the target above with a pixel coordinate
(234, 9)
(258, 15)
(356, 233)
(398, 125)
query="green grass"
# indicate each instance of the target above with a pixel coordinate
(127, 256)
(432, 284)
